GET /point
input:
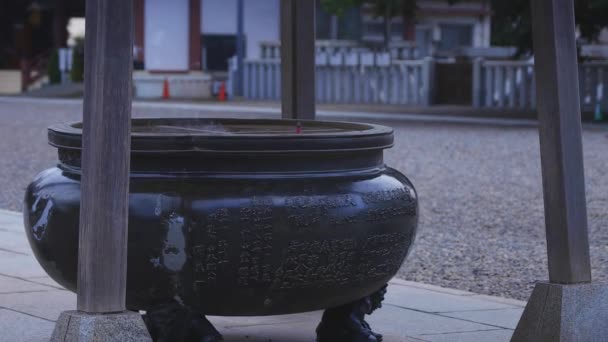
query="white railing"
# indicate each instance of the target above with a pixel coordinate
(344, 48)
(510, 84)
(272, 49)
(592, 78)
(503, 84)
(402, 82)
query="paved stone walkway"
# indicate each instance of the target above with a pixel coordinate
(30, 302)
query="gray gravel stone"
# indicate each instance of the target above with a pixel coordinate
(481, 204)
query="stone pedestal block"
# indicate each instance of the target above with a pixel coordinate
(78, 326)
(565, 313)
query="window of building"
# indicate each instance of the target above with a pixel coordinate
(455, 35)
(217, 50)
(323, 22)
(347, 26)
(424, 40)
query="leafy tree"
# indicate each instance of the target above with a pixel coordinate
(511, 24)
(511, 20)
(77, 72)
(386, 9)
(338, 7)
(591, 17)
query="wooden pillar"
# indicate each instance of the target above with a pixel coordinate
(559, 114)
(102, 253)
(568, 307)
(240, 47)
(195, 35)
(298, 59)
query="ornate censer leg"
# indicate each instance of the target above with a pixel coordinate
(347, 323)
(176, 323)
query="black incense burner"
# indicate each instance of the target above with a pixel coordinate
(241, 217)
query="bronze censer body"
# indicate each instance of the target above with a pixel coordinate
(242, 217)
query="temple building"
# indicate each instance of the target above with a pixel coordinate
(196, 37)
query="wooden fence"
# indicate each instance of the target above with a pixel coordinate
(511, 85)
(399, 82)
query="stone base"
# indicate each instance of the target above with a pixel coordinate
(557, 312)
(83, 327)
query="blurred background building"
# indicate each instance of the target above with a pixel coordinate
(196, 35)
(403, 52)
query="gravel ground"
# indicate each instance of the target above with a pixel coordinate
(481, 223)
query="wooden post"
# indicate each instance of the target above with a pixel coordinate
(194, 29)
(102, 252)
(240, 46)
(568, 307)
(560, 141)
(298, 59)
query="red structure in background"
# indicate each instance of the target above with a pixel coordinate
(222, 92)
(29, 32)
(29, 28)
(166, 91)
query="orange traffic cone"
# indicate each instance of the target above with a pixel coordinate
(222, 93)
(166, 93)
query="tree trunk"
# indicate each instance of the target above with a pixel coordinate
(408, 14)
(387, 24)
(409, 26)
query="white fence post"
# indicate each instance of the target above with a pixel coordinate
(500, 84)
(503, 84)
(489, 86)
(247, 80)
(428, 81)
(476, 91)
(348, 80)
(510, 86)
(523, 85)
(354, 78)
(230, 84)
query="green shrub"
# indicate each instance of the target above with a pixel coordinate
(53, 68)
(77, 72)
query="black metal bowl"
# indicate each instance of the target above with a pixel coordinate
(240, 217)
